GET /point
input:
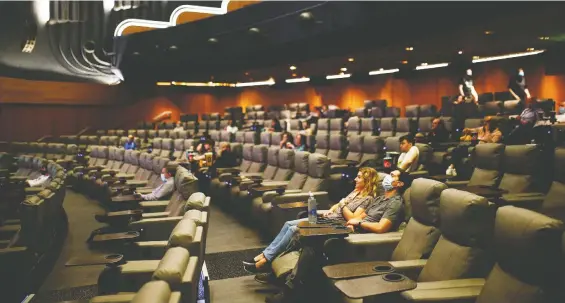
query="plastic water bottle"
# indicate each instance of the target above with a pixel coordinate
(312, 210)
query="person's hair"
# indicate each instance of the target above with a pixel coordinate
(371, 179)
(406, 180)
(302, 139)
(277, 125)
(171, 169)
(225, 144)
(409, 138)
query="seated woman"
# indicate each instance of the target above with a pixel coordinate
(275, 126)
(299, 143)
(488, 133)
(285, 140)
(351, 207)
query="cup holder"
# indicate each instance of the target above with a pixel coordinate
(393, 277)
(383, 268)
(113, 257)
(133, 233)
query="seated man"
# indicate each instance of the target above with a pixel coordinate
(42, 180)
(163, 190)
(226, 158)
(130, 143)
(408, 160)
(384, 215)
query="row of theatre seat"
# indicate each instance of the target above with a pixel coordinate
(32, 221)
(455, 245)
(169, 236)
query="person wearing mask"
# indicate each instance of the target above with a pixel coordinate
(275, 126)
(409, 158)
(179, 127)
(164, 190)
(466, 104)
(42, 180)
(285, 140)
(352, 206)
(299, 143)
(518, 87)
(206, 146)
(231, 127)
(439, 133)
(383, 215)
(130, 143)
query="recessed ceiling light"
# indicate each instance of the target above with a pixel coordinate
(294, 75)
(475, 57)
(424, 64)
(410, 48)
(173, 47)
(543, 38)
(247, 73)
(343, 69)
(404, 62)
(136, 53)
(351, 59)
(489, 32)
(292, 67)
(213, 40)
(531, 49)
(460, 52)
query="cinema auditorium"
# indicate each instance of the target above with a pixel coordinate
(282, 151)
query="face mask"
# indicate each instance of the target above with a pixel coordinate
(469, 73)
(521, 74)
(387, 183)
(163, 178)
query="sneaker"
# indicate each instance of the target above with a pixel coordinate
(249, 262)
(266, 278)
(254, 270)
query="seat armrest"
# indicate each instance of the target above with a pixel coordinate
(154, 206)
(366, 247)
(162, 214)
(463, 290)
(410, 268)
(250, 175)
(274, 183)
(419, 174)
(322, 198)
(117, 298)
(531, 201)
(33, 190)
(456, 184)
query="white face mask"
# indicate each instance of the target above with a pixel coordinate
(469, 73)
(387, 183)
(163, 178)
(521, 74)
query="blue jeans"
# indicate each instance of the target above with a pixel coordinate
(282, 240)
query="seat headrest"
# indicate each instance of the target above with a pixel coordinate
(559, 164)
(322, 141)
(185, 183)
(528, 244)
(273, 155)
(465, 218)
(372, 144)
(194, 215)
(318, 166)
(248, 151)
(425, 200)
(183, 234)
(488, 156)
(356, 143)
(520, 159)
(260, 153)
(195, 201)
(301, 162)
(286, 158)
(153, 292)
(173, 265)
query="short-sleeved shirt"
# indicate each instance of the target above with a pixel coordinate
(518, 85)
(467, 83)
(413, 153)
(353, 204)
(387, 208)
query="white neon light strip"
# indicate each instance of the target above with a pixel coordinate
(222, 10)
(297, 80)
(257, 83)
(383, 71)
(430, 66)
(509, 56)
(340, 76)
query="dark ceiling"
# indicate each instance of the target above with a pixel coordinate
(77, 43)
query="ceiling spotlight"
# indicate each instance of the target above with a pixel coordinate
(351, 59)
(294, 75)
(424, 64)
(531, 49)
(543, 38)
(306, 16)
(213, 40)
(460, 52)
(254, 30)
(410, 48)
(173, 47)
(247, 73)
(489, 32)
(404, 62)
(343, 69)
(135, 53)
(292, 67)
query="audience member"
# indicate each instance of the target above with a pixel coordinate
(306, 129)
(439, 133)
(409, 158)
(275, 126)
(130, 143)
(42, 180)
(299, 143)
(350, 207)
(163, 190)
(179, 127)
(231, 127)
(523, 132)
(383, 215)
(205, 146)
(286, 141)
(226, 158)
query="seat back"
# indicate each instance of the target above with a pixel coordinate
(422, 231)
(318, 173)
(285, 164)
(367, 126)
(259, 159)
(355, 148)
(336, 126)
(272, 162)
(553, 204)
(487, 159)
(300, 170)
(322, 144)
(373, 148)
(466, 224)
(265, 138)
(247, 151)
(387, 127)
(166, 148)
(276, 138)
(337, 147)
(323, 127)
(353, 126)
(527, 258)
(519, 165)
